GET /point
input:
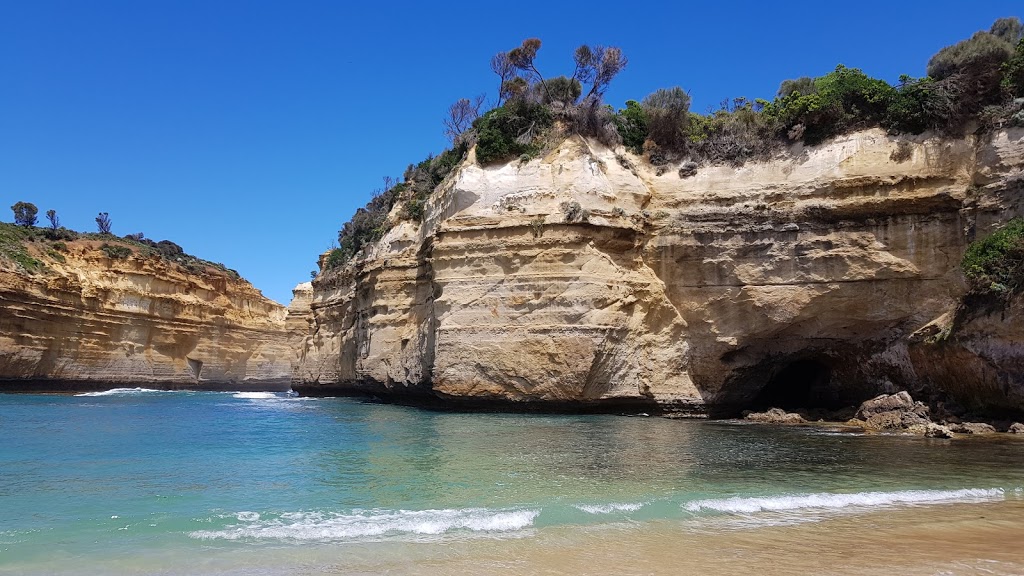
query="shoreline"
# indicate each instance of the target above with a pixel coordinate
(430, 401)
(55, 386)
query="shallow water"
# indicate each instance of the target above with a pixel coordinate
(137, 481)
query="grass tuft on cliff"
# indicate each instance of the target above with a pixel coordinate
(995, 265)
(13, 247)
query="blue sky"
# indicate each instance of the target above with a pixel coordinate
(249, 131)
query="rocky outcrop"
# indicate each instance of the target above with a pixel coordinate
(588, 278)
(89, 321)
(775, 416)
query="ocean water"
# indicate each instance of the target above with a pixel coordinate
(137, 482)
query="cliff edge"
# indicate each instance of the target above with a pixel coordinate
(94, 312)
(590, 279)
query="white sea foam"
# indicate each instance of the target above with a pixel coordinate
(323, 526)
(608, 508)
(122, 392)
(254, 395)
(828, 501)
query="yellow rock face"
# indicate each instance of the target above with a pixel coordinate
(804, 275)
(90, 320)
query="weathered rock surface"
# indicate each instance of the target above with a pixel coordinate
(775, 416)
(933, 430)
(807, 281)
(972, 428)
(89, 322)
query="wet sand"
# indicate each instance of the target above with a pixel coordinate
(963, 539)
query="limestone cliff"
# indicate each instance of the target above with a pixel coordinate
(85, 320)
(798, 280)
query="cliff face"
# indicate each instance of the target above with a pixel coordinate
(800, 281)
(89, 321)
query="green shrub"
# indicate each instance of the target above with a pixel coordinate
(995, 264)
(415, 209)
(919, 105)
(803, 86)
(510, 130)
(1013, 73)
(667, 112)
(981, 50)
(975, 66)
(61, 233)
(631, 123)
(116, 251)
(561, 89)
(737, 132)
(335, 258)
(846, 99)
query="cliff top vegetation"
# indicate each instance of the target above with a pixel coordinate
(30, 248)
(975, 85)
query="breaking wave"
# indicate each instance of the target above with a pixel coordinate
(608, 508)
(328, 526)
(122, 392)
(254, 395)
(827, 501)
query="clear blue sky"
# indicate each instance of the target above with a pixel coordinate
(249, 131)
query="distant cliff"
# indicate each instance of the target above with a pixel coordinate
(588, 278)
(94, 312)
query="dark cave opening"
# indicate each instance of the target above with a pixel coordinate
(805, 383)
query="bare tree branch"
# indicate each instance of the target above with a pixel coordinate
(461, 115)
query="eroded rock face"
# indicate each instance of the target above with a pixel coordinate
(793, 283)
(90, 321)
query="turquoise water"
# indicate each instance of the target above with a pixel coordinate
(172, 481)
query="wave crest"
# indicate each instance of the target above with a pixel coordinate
(739, 505)
(122, 392)
(323, 526)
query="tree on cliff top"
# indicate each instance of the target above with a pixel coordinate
(103, 223)
(25, 213)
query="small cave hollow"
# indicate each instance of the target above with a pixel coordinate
(805, 383)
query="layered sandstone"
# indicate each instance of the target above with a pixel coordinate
(802, 279)
(88, 321)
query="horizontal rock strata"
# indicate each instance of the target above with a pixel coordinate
(795, 282)
(90, 322)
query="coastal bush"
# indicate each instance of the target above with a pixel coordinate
(24, 213)
(976, 66)
(995, 264)
(667, 112)
(631, 123)
(116, 251)
(561, 89)
(510, 130)
(737, 132)
(1012, 82)
(803, 86)
(61, 233)
(335, 258)
(919, 104)
(844, 99)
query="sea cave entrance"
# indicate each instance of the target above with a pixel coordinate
(804, 383)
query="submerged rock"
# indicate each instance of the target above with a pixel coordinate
(775, 416)
(933, 430)
(972, 428)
